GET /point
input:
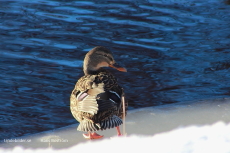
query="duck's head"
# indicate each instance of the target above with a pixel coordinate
(97, 58)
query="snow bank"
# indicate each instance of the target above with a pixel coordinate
(196, 127)
(212, 139)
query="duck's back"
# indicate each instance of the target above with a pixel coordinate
(96, 102)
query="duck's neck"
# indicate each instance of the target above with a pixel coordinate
(92, 67)
(87, 67)
(89, 71)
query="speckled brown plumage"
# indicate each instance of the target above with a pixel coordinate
(95, 101)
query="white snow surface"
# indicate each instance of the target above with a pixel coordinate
(201, 127)
(194, 139)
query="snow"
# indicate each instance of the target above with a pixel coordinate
(197, 128)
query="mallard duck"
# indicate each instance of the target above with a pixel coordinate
(96, 99)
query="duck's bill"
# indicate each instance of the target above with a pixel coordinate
(118, 67)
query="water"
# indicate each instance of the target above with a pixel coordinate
(175, 51)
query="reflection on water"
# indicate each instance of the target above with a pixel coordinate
(175, 51)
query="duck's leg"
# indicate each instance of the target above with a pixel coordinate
(92, 135)
(118, 131)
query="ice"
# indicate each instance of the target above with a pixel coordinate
(191, 127)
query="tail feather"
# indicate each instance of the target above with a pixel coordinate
(112, 122)
(87, 126)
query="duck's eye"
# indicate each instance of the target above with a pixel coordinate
(108, 57)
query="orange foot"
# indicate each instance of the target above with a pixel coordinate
(93, 135)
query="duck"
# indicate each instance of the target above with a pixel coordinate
(96, 100)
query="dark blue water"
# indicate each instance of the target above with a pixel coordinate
(174, 50)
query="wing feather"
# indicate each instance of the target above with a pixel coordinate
(88, 105)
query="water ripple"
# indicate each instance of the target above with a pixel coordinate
(174, 50)
(75, 63)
